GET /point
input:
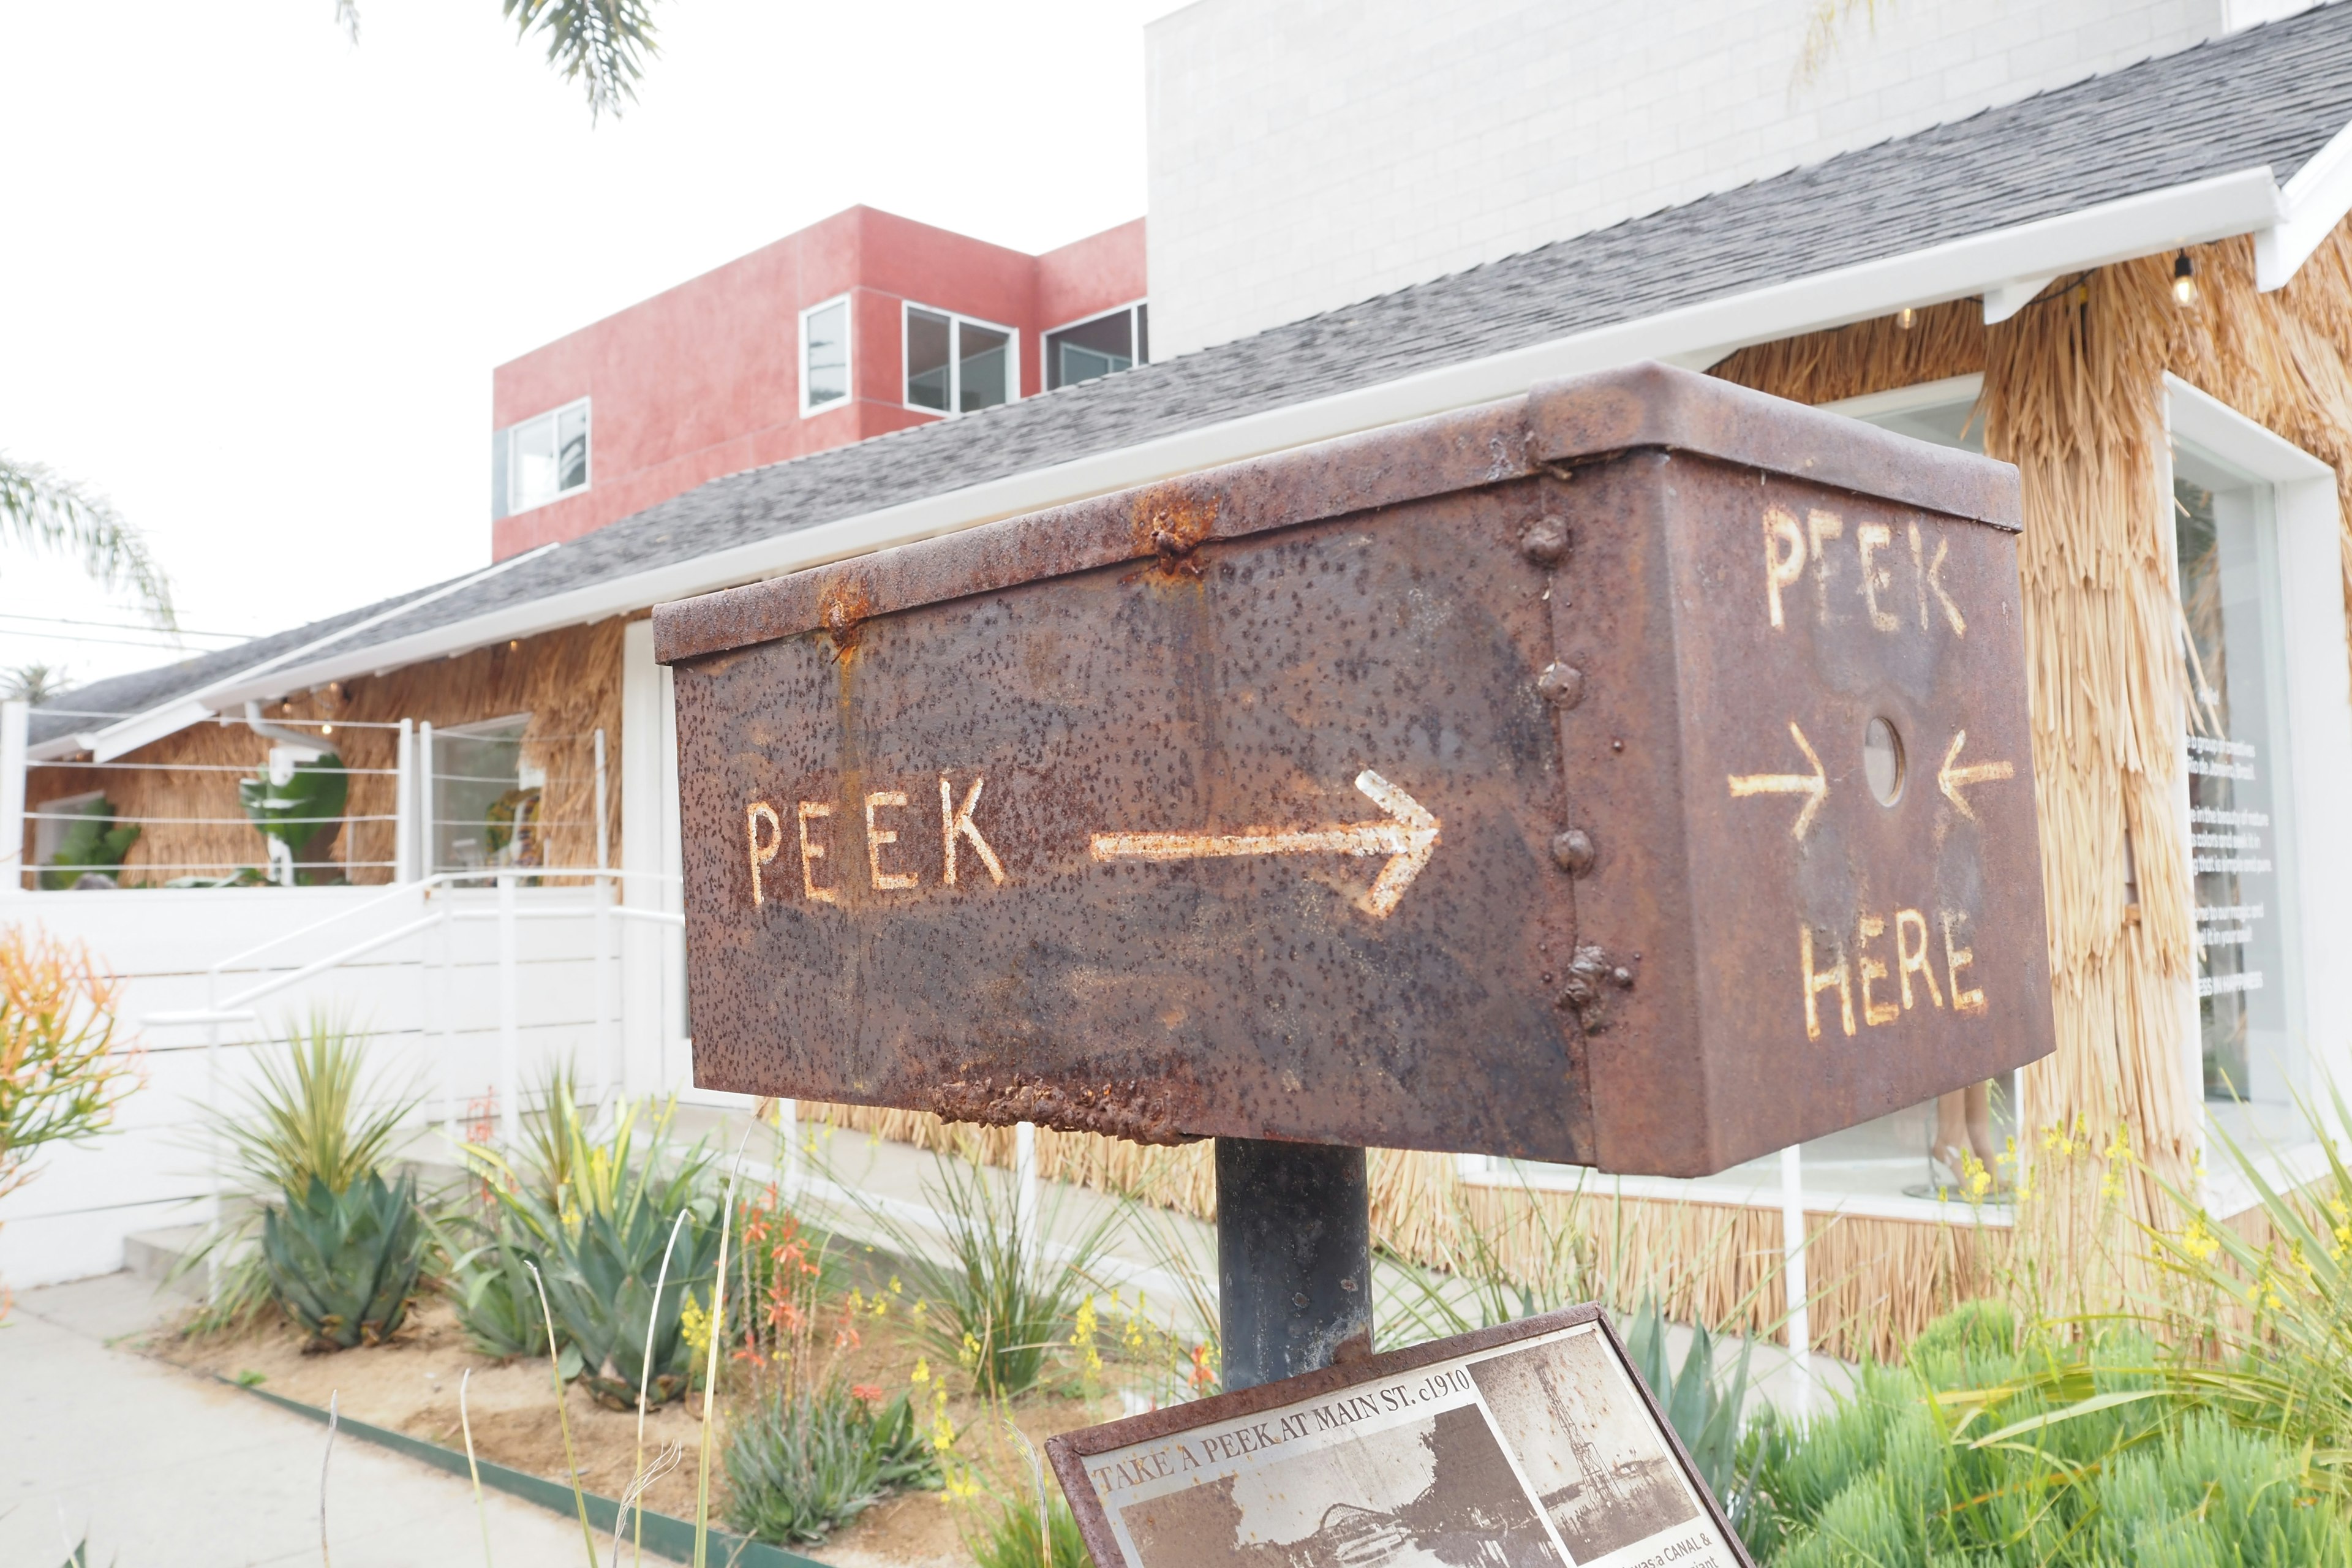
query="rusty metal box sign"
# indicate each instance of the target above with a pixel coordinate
(1632, 773)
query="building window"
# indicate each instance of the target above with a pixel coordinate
(486, 798)
(2236, 761)
(1084, 349)
(824, 355)
(957, 366)
(539, 460)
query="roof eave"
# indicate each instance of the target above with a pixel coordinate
(1996, 263)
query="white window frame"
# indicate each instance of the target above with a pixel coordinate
(849, 353)
(2314, 854)
(1046, 339)
(555, 413)
(957, 320)
(1877, 406)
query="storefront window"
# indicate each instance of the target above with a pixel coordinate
(2236, 765)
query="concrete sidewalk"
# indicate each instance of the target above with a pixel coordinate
(161, 1470)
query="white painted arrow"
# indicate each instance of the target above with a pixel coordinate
(1815, 784)
(1952, 780)
(1408, 839)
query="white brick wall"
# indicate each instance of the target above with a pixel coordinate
(1305, 154)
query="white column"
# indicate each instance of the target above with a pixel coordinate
(510, 1017)
(610, 1070)
(788, 1131)
(1024, 1181)
(15, 719)
(1792, 1274)
(640, 944)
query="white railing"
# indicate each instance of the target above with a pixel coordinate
(438, 911)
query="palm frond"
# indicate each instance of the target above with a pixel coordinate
(600, 43)
(41, 510)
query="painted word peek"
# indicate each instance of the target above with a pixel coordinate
(1792, 548)
(886, 868)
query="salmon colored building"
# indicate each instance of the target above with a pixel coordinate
(856, 326)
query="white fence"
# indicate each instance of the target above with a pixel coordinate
(470, 989)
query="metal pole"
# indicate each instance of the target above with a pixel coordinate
(509, 1022)
(1793, 1273)
(426, 852)
(404, 804)
(16, 719)
(1293, 1258)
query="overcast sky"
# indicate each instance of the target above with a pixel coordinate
(256, 277)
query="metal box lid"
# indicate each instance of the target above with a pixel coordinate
(1633, 773)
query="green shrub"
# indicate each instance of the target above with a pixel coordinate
(997, 1298)
(1007, 1537)
(808, 1460)
(344, 1265)
(1991, 1449)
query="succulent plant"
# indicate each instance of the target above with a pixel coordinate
(343, 1265)
(594, 1211)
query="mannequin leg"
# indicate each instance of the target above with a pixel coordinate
(1951, 1140)
(1979, 1120)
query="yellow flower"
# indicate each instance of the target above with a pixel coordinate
(2199, 1240)
(694, 1325)
(922, 1370)
(897, 1289)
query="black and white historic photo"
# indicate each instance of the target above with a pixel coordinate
(1588, 1447)
(1434, 1493)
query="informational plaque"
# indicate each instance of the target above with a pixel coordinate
(1529, 1445)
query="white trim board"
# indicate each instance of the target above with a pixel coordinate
(2215, 208)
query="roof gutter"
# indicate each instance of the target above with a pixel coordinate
(2220, 207)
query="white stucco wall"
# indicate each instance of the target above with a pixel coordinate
(1305, 154)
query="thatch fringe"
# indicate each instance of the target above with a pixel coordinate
(1878, 1282)
(569, 681)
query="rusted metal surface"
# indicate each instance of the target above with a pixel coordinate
(1495, 784)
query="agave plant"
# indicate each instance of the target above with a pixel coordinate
(315, 1115)
(594, 1211)
(344, 1265)
(1702, 1405)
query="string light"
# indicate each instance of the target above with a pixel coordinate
(1906, 320)
(2184, 280)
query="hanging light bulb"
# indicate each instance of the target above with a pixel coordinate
(2184, 280)
(1906, 319)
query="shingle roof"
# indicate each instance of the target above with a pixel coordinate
(2272, 95)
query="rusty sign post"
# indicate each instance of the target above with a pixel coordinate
(1633, 774)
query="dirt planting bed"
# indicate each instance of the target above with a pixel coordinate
(411, 1386)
